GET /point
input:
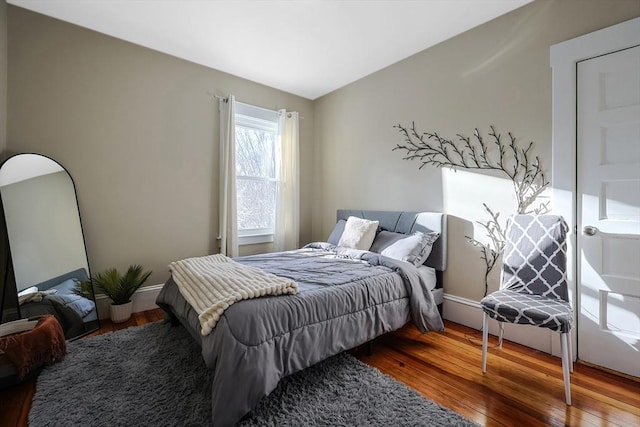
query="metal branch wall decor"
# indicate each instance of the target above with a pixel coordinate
(493, 154)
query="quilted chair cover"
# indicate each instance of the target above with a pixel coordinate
(534, 277)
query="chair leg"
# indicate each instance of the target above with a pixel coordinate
(564, 343)
(485, 338)
(570, 347)
(501, 324)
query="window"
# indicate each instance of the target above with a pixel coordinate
(256, 173)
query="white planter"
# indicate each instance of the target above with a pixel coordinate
(121, 312)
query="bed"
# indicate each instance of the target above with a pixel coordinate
(77, 315)
(346, 298)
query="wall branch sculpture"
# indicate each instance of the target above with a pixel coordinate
(492, 154)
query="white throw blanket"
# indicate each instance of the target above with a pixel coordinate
(212, 283)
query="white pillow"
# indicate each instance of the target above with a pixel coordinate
(414, 248)
(31, 290)
(358, 233)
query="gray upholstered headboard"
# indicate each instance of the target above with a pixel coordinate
(80, 274)
(407, 223)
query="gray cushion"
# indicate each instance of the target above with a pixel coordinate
(413, 248)
(66, 297)
(520, 307)
(335, 235)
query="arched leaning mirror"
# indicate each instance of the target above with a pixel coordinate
(47, 256)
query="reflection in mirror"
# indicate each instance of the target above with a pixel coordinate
(46, 243)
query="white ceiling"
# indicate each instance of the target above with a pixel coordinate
(305, 47)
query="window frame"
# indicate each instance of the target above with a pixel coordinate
(261, 119)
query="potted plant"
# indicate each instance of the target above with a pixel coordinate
(119, 288)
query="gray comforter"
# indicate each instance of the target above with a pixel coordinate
(346, 298)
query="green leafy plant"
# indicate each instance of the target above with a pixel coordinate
(84, 289)
(115, 285)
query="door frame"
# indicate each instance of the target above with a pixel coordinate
(564, 58)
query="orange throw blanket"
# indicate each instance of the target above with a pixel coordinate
(43, 345)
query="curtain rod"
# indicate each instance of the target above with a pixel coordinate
(224, 98)
(219, 97)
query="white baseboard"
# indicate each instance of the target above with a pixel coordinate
(144, 299)
(468, 313)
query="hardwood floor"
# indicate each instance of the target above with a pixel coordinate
(522, 386)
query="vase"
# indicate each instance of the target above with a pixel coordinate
(121, 312)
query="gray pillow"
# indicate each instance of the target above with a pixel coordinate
(66, 297)
(414, 248)
(335, 235)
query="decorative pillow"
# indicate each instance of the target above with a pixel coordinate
(414, 248)
(358, 233)
(80, 305)
(66, 297)
(66, 287)
(335, 235)
(28, 294)
(28, 291)
(384, 239)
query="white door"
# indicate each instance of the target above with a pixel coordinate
(608, 194)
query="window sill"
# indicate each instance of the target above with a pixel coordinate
(255, 239)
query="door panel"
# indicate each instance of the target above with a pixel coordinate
(608, 180)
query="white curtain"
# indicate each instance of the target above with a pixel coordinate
(287, 227)
(228, 216)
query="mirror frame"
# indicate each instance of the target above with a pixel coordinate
(8, 263)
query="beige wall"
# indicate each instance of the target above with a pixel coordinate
(137, 132)
(3, 77)
(496, 74)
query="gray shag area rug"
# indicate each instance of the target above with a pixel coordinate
(154, 375)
